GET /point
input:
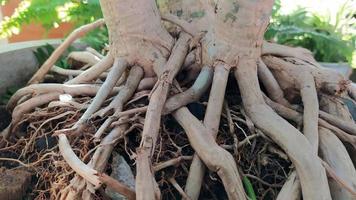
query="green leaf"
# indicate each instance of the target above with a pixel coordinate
(316, 33)
(249, 188)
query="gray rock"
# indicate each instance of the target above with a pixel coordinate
(18, 63)
(121, 171)
(342, 68)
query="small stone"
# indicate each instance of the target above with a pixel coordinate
(13, 183)
(121, 171)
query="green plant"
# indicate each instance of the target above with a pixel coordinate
(9, 92)
(42, 54)
(330, 42)
(50, 13)
(249, 188)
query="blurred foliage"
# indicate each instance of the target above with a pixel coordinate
(42, 54)
(6, 97)
(329, 42)
(50, 13)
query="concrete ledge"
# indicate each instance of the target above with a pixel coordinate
(343, 68)
(18, 63)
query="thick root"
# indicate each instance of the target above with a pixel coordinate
(192, 94)
(285, 51)
(310, 110)
(214, 157)
(334, 153)
(84, 57)
(293, 115)
(38, 89)
(310, 171)
(39, 75)
(152, 121)
(114, 75)
(270, 83)
(94, 71)
(98, 163)
(160, 65)
(211, 122)
(338, 110)
(337, 180)
(103, 152)
(118, 187)
(75, 163)
(117, 104)
(291, 189)
(289, 75)
(72, 72)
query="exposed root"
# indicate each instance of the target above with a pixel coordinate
(84, 57)
(144, 186)
(27, 106)
(336, 108)
(293, 115)
(291, 189)
(38, 89)
(148, 89)
(290, 75)
(118, 102)
(343, 136)
(117, 186)
(334, 153)
(147, 83)
(270, 83)
(116, 105)
(39, 75)
(216, 158)
(347, 126)
(285, 51)
(71, 72)
(311, 107)
(93, 72)
(114, 75)
(98, 162)
(94, 52)
(75, 163)
(310, 171)
(211, 122)
(192, 94)
(171, 162)
(178, 188)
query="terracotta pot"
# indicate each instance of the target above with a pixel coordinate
(33, 31)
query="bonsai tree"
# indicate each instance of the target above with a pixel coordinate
(214, 39)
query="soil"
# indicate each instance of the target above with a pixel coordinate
(5, 117)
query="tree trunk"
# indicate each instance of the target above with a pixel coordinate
(217, 39)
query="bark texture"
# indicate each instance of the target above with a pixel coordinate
(155, 53)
